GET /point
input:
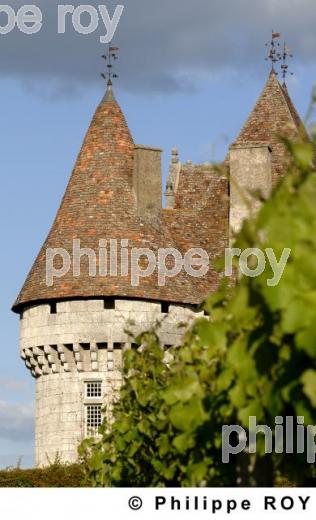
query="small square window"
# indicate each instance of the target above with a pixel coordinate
(109, 304)
(93, 419)
(94, 389)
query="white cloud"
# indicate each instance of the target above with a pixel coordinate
(16, 421)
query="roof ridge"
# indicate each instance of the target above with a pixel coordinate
(294, 113)
(254, 107)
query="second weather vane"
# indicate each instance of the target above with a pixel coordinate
(284, 67)
(275, 54)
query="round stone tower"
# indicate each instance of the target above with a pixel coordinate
(79, 297)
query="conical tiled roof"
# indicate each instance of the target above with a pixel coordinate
(274, 115)
(99, 204)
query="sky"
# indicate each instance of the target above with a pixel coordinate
(189, 74)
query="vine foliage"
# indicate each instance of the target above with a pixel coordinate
(254, 354)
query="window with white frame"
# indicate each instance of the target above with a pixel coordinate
(93, 407)
(93, 419)
(93, 390)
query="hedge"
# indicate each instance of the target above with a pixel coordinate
(55, 475)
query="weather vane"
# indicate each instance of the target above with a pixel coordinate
(284, 67)
(110, 58)
(274, 55)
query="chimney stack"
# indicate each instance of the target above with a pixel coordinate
(250, 172)
(147, 180)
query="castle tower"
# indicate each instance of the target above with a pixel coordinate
(81, 295)
(258, 158)
(75, 310)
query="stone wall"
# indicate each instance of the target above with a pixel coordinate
(79, 342)
(60, 413)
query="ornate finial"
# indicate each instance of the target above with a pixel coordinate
(273, 55)
(284, 67)
(174, 156)
(169, 187)
(110, 58)
(170, 194)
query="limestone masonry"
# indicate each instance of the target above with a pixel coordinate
(74, 332)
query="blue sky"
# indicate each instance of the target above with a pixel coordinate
(193, 100)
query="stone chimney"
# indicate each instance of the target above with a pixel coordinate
(250, 175)
(147, 179)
